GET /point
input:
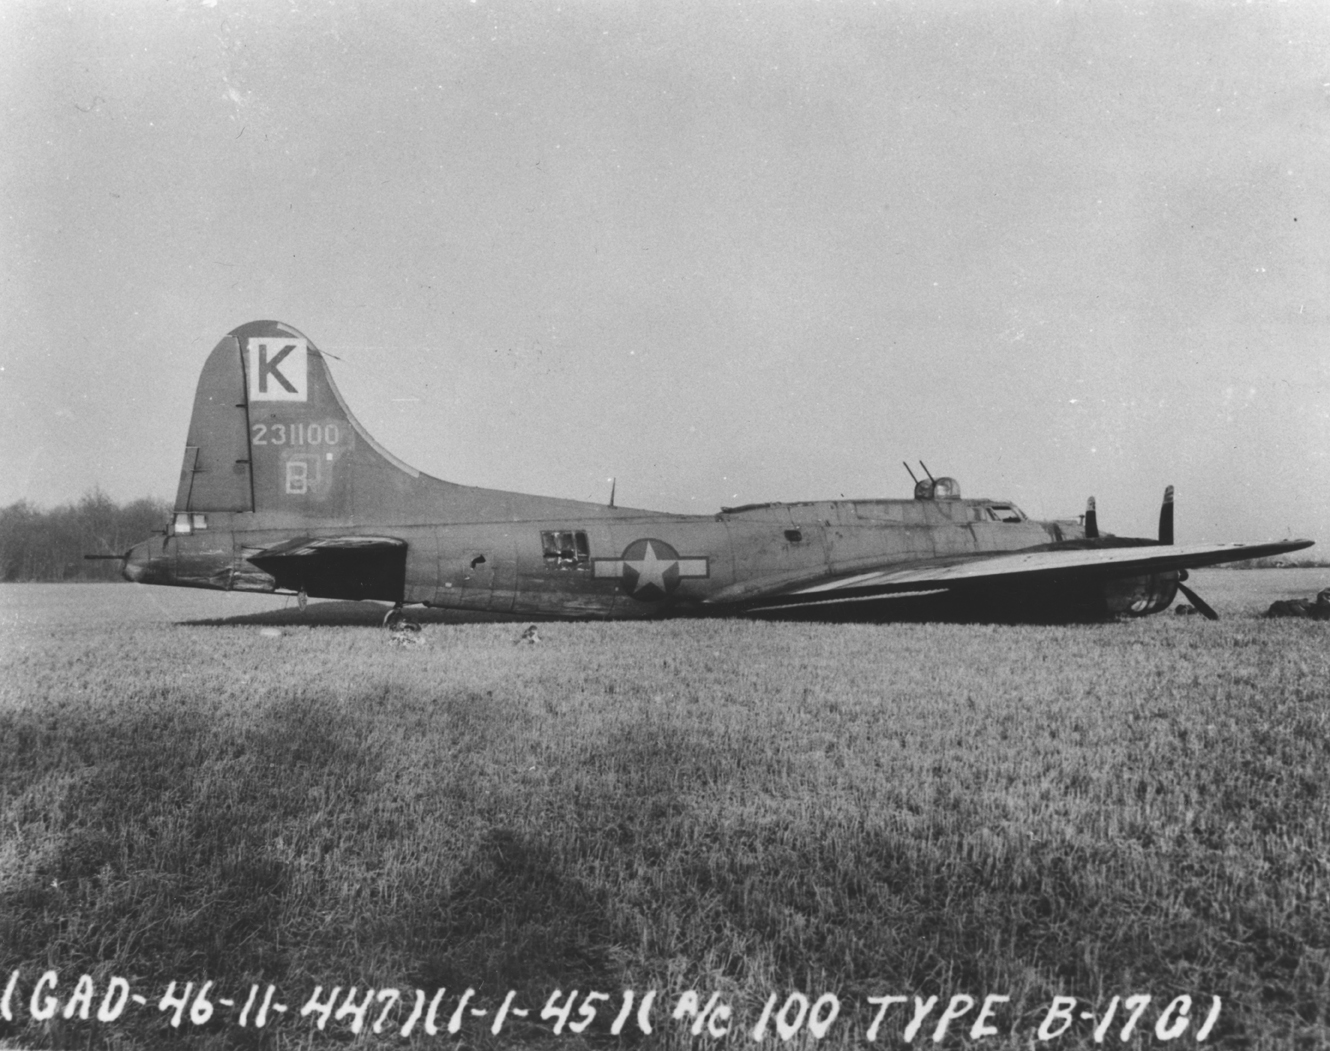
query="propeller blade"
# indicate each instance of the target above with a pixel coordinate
(1166, 518)
(1091, 520)
(1197, 601)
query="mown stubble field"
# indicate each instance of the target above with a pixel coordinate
(740, 809)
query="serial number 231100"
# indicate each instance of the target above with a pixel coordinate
(295, 434)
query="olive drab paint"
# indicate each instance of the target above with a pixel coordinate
(282, 489)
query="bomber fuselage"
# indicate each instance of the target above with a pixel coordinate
(586, 560)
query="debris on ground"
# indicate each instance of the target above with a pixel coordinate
(1310, 609)
(531, 636)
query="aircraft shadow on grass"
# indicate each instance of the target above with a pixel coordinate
(331, 615)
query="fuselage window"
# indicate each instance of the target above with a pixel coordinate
(1005, 513)
(565, 548)
(200, 522)
(180, 525)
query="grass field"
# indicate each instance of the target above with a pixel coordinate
(749, 812)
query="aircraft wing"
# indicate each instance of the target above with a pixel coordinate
(1055, 565)
(351, 567)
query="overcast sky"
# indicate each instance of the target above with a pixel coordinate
(722, 252)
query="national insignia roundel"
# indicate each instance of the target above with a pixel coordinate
(650, 569)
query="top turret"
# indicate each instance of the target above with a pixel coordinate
(937, 489)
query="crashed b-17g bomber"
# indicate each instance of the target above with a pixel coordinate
(282, 490)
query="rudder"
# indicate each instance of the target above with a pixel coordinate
(215, 475)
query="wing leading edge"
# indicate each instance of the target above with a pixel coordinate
(1040, 571)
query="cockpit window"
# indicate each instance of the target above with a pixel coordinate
(565, 548)
(1005, 513)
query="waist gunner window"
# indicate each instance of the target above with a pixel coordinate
(565, 549)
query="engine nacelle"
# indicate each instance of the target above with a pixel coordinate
(1139, 596)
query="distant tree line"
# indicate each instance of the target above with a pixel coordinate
(50, 545)
(1279, 562)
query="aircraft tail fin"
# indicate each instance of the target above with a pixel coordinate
(1166, 517)
(270, 432)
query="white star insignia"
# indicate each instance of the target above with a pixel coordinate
(650, 569)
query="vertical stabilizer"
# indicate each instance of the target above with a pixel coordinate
(271, 433)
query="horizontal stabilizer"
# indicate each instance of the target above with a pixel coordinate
(358, 567)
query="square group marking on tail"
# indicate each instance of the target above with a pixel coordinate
(278, 369)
